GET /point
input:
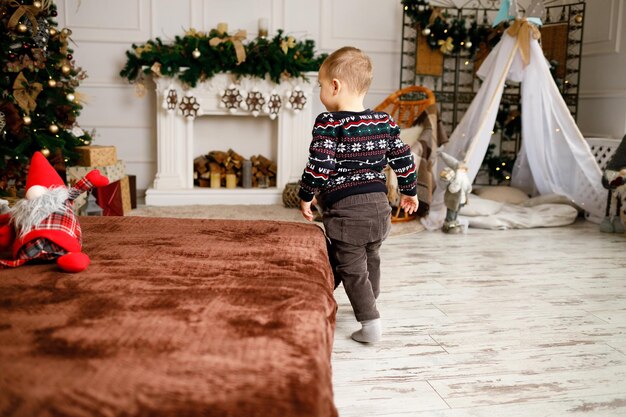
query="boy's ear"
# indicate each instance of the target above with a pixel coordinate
(336, 86)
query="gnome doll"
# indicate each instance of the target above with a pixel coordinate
(43, 226)
(457, 190)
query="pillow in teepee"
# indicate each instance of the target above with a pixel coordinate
(502, 193)
(477, 206)
(549, 199)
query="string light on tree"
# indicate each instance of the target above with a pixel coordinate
(70, 97)
(27, 120)
(52, 83)
(196, 53)
(54, 129)
(45, 152)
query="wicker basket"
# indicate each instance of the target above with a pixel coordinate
(290, 195)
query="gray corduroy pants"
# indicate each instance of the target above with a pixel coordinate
(357, 226)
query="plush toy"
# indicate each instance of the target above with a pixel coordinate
(43, 225)
(614, 180)
(457, 189)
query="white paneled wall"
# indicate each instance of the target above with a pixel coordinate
(602, 100)
(104, 30)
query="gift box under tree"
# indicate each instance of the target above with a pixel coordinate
(113, 172)
(114, 199)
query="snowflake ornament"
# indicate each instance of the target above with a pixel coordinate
(297, 100)
(274, 105)
(231, 98)
(172, 99)
(255, 102)
(189, 106)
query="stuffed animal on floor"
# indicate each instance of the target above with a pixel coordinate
(457, 190)
(43, 226)
(614, 180)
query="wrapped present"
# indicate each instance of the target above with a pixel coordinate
(113, 172)
(95, 155)
(114, 198)
(132, 181)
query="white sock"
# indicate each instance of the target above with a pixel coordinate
(371, 331)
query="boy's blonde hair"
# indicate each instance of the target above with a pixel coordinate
(351, 66)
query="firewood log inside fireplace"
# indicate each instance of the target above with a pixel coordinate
(263, 169)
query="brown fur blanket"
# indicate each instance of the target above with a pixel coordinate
(174, 317)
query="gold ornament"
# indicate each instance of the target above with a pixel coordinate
(196, 53)
(468, 44)
(52, 83)
(66, 32)
(65, 69)
(70, 97)
(37, 4)
(578, 18)
(45, 152)
(53, 129)
(27, 120)
(426, 31)
(22, 28)
(52, 31)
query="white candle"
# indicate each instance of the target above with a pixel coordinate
(263, 27)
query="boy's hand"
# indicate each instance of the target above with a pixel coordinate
(409, 203)
(305, 209)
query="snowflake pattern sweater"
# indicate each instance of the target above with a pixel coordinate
(348, 153)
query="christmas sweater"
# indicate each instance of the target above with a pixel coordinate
(348, 153)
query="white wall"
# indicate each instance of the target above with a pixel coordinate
(602, 98)
(104, 30)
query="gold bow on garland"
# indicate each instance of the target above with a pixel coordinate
(25, 94)
(436, 13)
(235, 39)
(30, 12)
(285, 44)
(523, 30)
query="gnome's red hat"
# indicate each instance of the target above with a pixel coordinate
(42, 173)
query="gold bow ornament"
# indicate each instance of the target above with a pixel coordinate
(436, 13)
(285, 44)
(523, 30)
(30, 12)
(65, 36)
(236, 40)
(25, 94)
(446, 46)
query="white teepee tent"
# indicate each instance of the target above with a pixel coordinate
(554, 157)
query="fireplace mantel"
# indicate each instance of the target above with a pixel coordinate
(178, 107)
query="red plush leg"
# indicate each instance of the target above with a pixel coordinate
(97, 179)
(73, 262)
(6, 236)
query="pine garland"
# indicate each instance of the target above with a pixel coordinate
(191, 58)
(450, 35)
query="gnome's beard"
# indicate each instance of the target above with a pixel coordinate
(27, 214)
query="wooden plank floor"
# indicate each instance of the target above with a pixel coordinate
(491, 324)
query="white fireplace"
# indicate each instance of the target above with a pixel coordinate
(179, 107)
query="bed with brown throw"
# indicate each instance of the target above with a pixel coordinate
(174, 317)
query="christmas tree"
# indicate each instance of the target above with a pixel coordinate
(39, 103)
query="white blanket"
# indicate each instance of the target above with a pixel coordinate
(489, 214)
